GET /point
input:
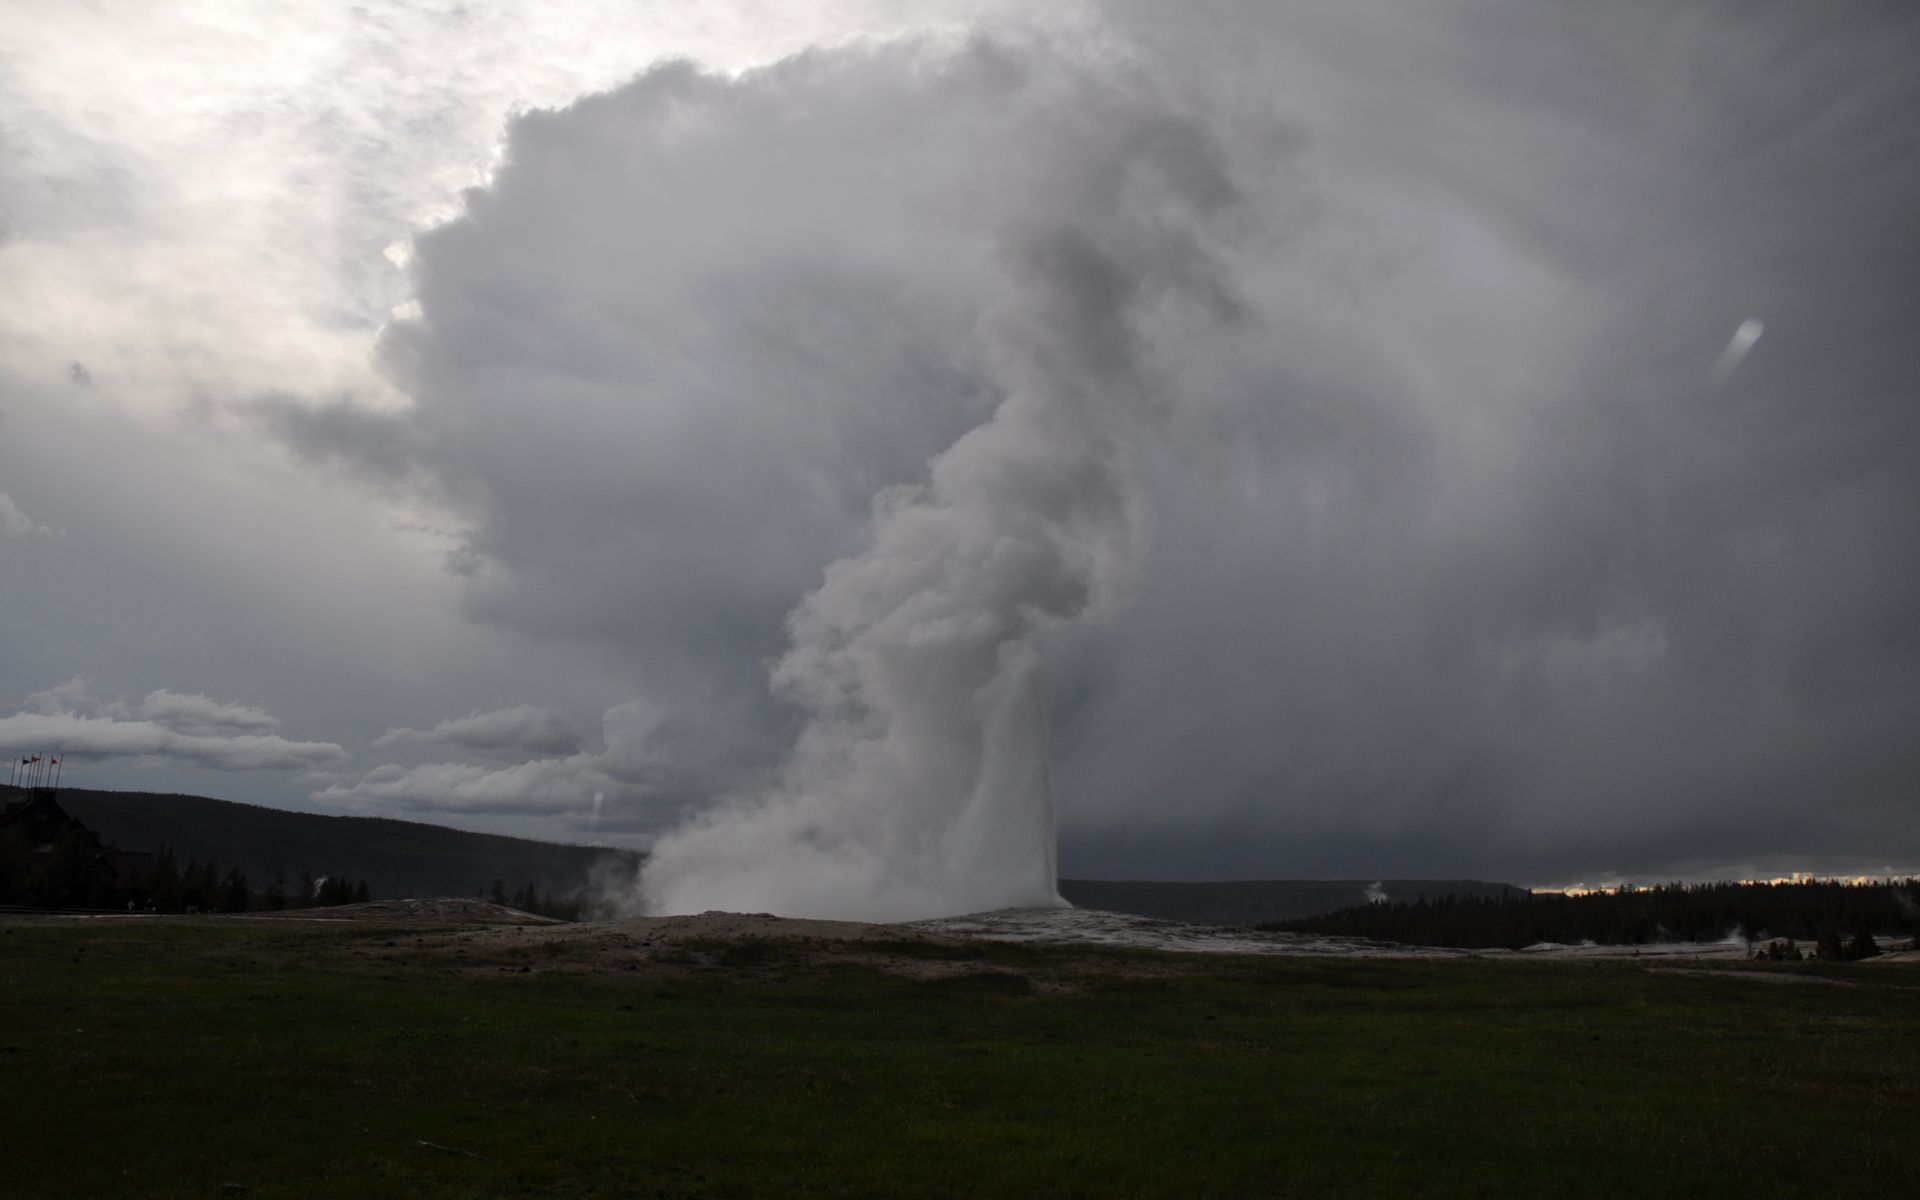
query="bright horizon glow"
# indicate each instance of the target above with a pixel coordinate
(1588, 889)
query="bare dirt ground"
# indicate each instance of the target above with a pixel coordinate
(754, 944)
(1038, 950)
(1042, 949)
(445, 911)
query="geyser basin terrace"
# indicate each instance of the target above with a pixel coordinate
(381, 1057)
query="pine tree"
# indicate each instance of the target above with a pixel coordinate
(200, 886)
(1829, 946)
(334, 891)
(15, 858)
(235, 895)
(165, 888)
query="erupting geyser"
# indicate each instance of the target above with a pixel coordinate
(918, 785)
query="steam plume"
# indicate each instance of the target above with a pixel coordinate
(918, 784)
(1738, 347)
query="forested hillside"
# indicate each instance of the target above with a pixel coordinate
(394, 858)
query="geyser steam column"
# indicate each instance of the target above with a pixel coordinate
(918, 785)
(1008, 819)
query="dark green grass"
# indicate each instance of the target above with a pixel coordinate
(173, 1058)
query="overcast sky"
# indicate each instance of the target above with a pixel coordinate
(438, 410)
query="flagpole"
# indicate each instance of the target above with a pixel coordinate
(58, 767)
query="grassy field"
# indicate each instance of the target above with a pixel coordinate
(175, 1058)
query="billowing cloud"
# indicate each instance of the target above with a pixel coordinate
(240, 221)
(71, 720)
(76, 695)
(523, 727)
(547, 786)
(669, 497)
(1457, 551)
(200, 716)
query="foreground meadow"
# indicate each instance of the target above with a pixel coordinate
(203, 1056)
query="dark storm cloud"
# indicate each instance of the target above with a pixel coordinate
(1471, 551)
(1486, 570)
(375, 444)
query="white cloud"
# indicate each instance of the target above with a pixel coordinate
(200, 716)
(17, 524)
(549, 786)
(225, 230)
(188, 730)
(76, 695)
(524, 727)
(104, 737)
(627, 785)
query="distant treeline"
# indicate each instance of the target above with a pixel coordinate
(72, 870)
(201, 887)
(1821, 911)
(530, 899)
